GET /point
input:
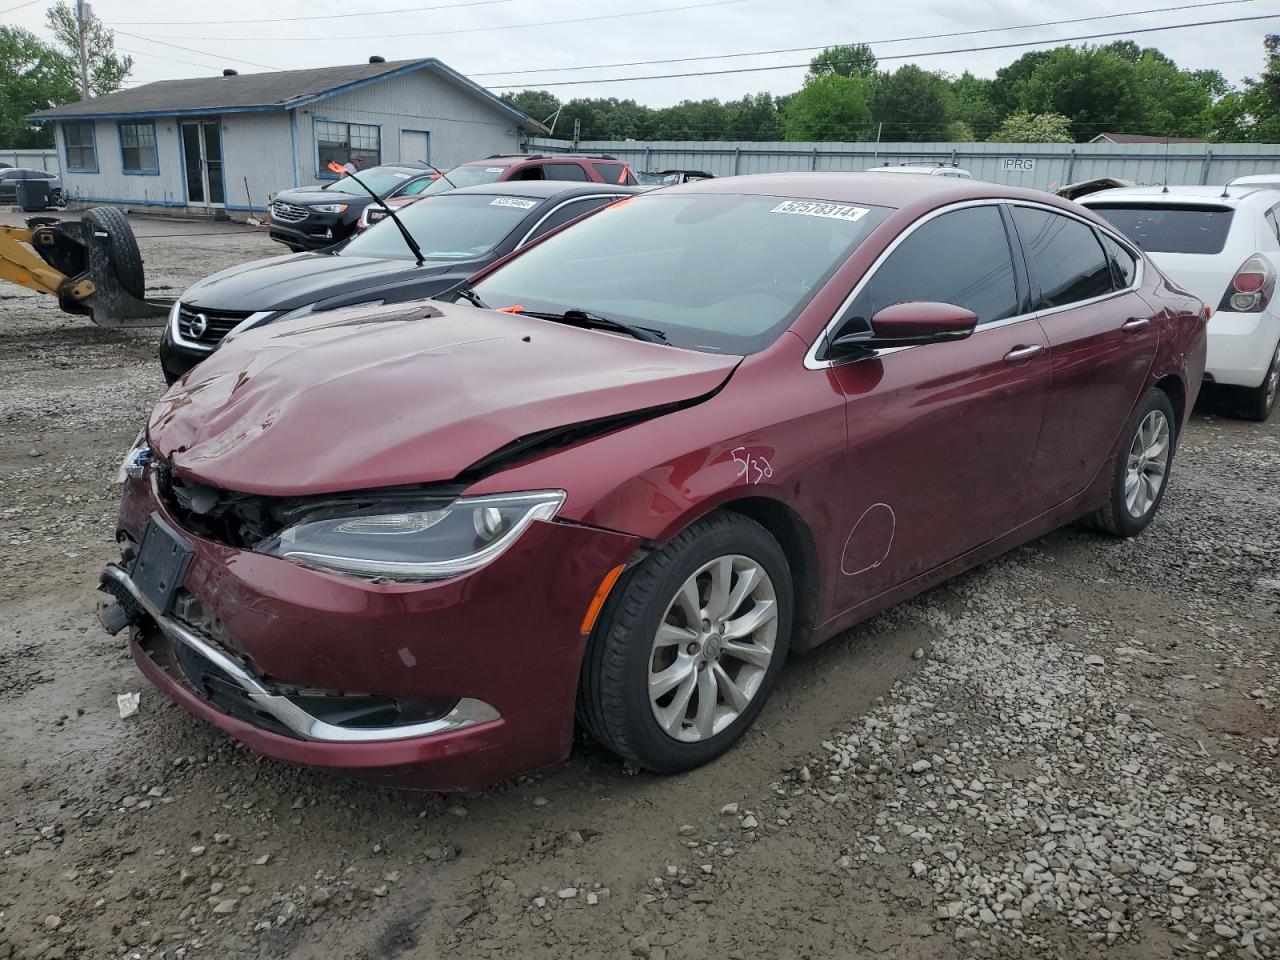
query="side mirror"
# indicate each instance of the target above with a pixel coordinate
(910, 324)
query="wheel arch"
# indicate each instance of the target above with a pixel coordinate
(1172, 386)
(798, 544)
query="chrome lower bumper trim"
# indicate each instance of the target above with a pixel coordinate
(466, 713)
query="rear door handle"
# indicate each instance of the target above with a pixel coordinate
(1134, 324)
(1023, 353)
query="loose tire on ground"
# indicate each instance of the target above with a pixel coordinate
(1116, 517)
(615, 704)
(1257, 403)
(125, 255)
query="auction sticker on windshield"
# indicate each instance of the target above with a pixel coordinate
(829, 211)
(514, 202)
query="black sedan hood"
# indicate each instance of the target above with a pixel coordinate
(318, 194)
(286, 283)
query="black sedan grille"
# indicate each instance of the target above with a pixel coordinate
(207, 326)
(288, 212)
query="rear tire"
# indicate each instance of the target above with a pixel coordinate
(1141, 473)
(1258, 402)
(735, 574)
(125, 256)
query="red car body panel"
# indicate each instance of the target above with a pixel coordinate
(892, 472)
(451, 389)
(470, 636)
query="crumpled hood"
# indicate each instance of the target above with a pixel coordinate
(403, 394)
(301, 279)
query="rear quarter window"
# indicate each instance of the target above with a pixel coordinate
(1171, 228)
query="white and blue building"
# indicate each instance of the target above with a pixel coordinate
(228, 143)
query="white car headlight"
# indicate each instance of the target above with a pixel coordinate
(329, 207)
(135, 461)
(408, 542)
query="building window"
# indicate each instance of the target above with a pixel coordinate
(138, 148)
(358, 143)
(81, 147)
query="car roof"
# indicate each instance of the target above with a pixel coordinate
(542, 189)
(878, 189)
(1230, 196)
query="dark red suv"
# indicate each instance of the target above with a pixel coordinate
(581, 167)
(628, 471)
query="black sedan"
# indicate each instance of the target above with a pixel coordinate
(458, 233)
(311, 218)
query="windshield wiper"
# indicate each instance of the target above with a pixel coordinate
(594, 321)
(408, 237)
(468, 293)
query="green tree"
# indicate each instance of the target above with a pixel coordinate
(831, 107)
(539, 104)
(970, 104)
(31, 78)
(854, 60)
(1006, 91)
(107, 69)
(1097, 89)
(1025, 127)
(959, 132)
(911, 103)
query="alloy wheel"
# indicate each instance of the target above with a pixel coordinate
(713, 648)
(1148, 463)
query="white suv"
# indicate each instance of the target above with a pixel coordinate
(1223, 245)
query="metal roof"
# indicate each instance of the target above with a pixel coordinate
(278, 90)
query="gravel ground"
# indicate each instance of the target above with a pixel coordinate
(1074, 749)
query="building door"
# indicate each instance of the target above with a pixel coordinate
(202, 158)
(415, 146)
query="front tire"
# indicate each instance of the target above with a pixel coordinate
(1141, 472)
(1258, 402)
(689, 646)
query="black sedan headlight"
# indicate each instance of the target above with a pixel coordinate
(411, 543)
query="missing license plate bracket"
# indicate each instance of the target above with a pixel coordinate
(162, 564)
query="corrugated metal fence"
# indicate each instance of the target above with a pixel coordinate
(1038, 165)
(32, 159)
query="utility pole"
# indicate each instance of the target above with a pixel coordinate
(577, 132)
(83, 13)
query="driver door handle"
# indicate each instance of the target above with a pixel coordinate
(1018, 354)
(1134, 324)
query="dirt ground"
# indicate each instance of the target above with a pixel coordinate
(1074, 749)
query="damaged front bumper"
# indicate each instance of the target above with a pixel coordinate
(269, 651)
(200, 656)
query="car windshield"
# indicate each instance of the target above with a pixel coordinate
(449, 227)
(714, 272)
(1170, 228)
(381, 180)
(467, 175)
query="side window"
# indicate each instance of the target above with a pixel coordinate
(566, 171)
(529, 173)
(569, 211)
(961, 258)
(1122, 262)
(614, 172)
(1065, 257)
(1273, 219)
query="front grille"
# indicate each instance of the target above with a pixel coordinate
(208, 326)
(288, 212)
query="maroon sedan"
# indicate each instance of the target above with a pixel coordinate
(632, 469)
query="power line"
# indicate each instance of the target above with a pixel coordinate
(872, 43)
(29, 3)
(161, 56)
(203, 53)
(439, 33)
(908, 56)
(317, 16)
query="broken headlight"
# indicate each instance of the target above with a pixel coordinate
(398, 542)
(134, 463)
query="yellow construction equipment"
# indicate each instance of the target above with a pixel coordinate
(92, 266)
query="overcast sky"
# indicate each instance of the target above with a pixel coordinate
(732, 26)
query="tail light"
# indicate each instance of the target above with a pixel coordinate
(1251, 288)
